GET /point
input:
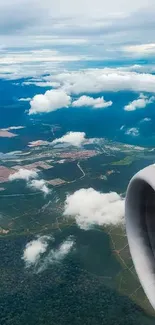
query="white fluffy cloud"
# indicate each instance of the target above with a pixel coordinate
(30, 177)
(63, 250)
(133, 132)
(39, 185)
(141, 102)
(73, 138)
(90, 207)
(57, 255)
(90, 101)
(33, 250)
(23, 174)
(50, 101)
(107, 79)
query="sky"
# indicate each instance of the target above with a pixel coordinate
(79, 54)
(58, 34)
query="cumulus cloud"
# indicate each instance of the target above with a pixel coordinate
(39, 185)
(93, 102)
(141, 102)
(133, 132)
(49, 102)
(73, 138)
(57, 255)
(34, 249)
(90, 207)
(62, 251)
(30, 177)
(107, 79)
(23, 174)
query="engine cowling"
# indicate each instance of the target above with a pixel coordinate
(140, 227)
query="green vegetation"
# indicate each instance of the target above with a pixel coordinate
(96, 283)
(127, 281)
(123, 162)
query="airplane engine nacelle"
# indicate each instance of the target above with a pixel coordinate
(140, 227)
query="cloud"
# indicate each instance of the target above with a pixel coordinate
(146, 119)
(90, 207)
(133, 132)
(36, 56)
(15, 15)
(39, 185)
(107, 79)
(108, 30)
(141, 102)
(72, 138)
(34, 249)
(27, 99)
(23, 174)
(30, 177)
(90, 101)
(42, 83)
(16, 127)
(63, 250)
(140, 49)
(47, 40)
(35, 63)
(57, 255)
(47, 16)
(38, 143)
(49, 102)
(13, 128)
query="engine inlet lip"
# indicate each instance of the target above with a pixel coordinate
(137, 228)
